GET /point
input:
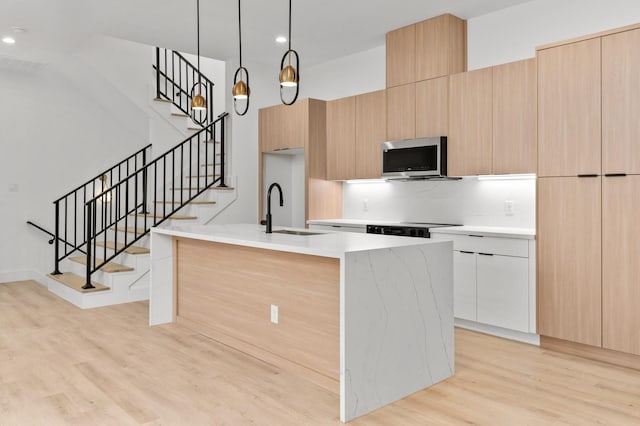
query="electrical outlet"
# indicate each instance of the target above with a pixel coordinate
(365, 205)
(274, 314)
(508, 208)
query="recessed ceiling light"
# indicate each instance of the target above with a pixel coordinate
(8, 40)
(281, 39)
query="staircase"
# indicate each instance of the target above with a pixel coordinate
(101, 237)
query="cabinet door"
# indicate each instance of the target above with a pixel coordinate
(470, 123)
(270, 129)
(464, 285)
(341, 138)
(569, 109)
(441, 44)
(621, 103)
(503, 291)
(401, 112)
(432, 107)
(620, 264)
(515, 122)
(295, 119)
(371, 131)
(401, 56)
(569, 259)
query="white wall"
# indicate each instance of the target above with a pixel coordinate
(468, 201)
(513, 34)
(54, 136)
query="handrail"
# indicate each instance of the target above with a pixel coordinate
(53, 239)
(178, 74)
(111, 209)
(106, 172)
(70, 217)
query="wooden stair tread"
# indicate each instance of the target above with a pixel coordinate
(201, 176)
(159, 216)
(195, 128)
(210, 164)
(76, 282)
(130, 250)
(213, 188)
(179, 202)
(161, 100)
(211, 141)
(130, 230)
(110, 267)
(179, 114)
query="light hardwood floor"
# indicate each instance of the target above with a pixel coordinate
(61, 365)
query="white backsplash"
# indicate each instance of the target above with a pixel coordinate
(467, 202)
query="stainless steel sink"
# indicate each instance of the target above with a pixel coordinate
(291, 232)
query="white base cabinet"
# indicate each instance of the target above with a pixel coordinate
(503, 291)
(493, 281)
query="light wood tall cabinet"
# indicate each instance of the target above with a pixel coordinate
(469, 146)
(569, 258)
(515, 125)
(620, 265)
(588, 234)
(621, 103)
(302, 125)
(429, 49)
(569, 109)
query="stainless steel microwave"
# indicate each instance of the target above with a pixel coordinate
(415, 158)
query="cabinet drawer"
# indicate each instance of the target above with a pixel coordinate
(491, 245)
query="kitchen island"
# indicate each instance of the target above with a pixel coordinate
(369, 317)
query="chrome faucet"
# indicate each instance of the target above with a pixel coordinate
(268, 231)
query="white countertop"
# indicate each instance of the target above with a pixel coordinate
(328, 244)
(489, 231)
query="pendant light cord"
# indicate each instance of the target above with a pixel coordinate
(240, 32)
(198, 33)
(289, 24)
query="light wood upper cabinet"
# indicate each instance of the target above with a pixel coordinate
(569, 259)
(621, 103)
(282, 127)
(515, 117)
(469, 146)
(401, 56)
(432, 107)
(371, 131)
(341, 135)
(620, 266)
(401, 112)
(569, 109)
(441, 47)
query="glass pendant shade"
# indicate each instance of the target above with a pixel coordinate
(101, 188)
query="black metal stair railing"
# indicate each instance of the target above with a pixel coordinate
(70, 234)
(144, 199)
(178, 81)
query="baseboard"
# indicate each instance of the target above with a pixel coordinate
(530, 338)
(609, 356)
(23, 275)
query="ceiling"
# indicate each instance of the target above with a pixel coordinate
(322, 30)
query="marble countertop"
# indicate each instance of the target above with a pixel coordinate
(327, 244)
(489, 231)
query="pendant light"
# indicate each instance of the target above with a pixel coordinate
(241, 89)
(198, 102)
(101, 188)
(289, 74)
